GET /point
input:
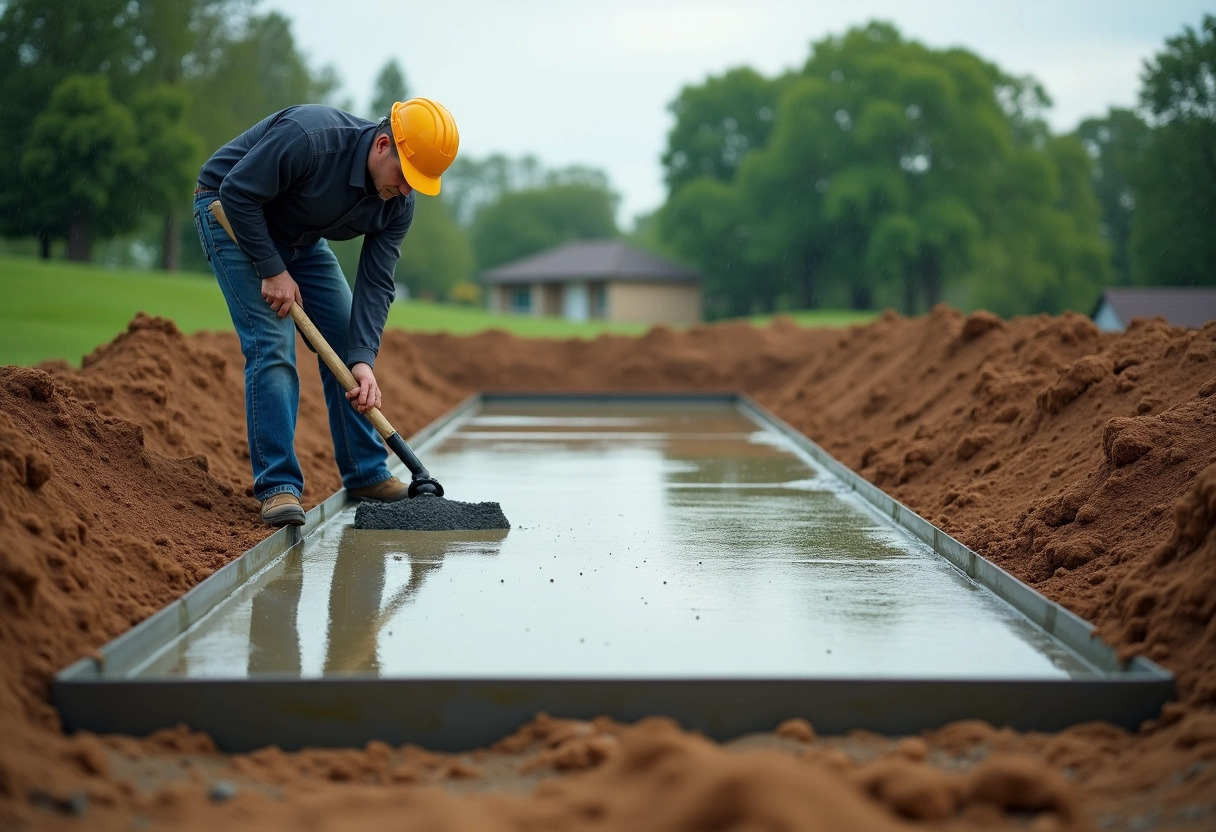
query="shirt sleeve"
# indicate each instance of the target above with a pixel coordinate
(375, 288)
(283, 156)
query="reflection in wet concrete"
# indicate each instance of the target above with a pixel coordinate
(354, 604)
(650, 541)
(358, 612)
(282, 619)
(274, 636)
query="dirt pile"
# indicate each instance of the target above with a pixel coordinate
(187, 394)
(728, 356)
(122, 485)
(99, 532)
(1052, 449)
(1082, 462)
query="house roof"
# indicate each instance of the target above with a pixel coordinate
(1190, 306)
(591, 260)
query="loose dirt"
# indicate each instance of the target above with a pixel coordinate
(1082, 462)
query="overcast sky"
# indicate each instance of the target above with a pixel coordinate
(578, 82)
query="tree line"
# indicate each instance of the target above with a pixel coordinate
(880, 173)
(111, 107)
(886, 173)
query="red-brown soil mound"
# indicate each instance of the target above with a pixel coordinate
(1082, 462)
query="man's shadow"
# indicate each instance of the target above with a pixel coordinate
(358, 611)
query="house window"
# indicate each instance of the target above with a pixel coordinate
(597, 300)
(519, 299)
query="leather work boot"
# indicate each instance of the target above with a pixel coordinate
(282, 510)
(387, 491)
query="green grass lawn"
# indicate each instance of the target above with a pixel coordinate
(53, 309)
(819, 318)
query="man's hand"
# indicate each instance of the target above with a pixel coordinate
(367, 394)
(281, 291)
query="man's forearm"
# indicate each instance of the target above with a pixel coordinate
(368, 315)
(375, 287)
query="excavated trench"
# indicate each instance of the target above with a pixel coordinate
(684, 555)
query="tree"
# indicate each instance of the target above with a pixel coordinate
(81, 156)
(893, 174)
(875, 133)
(470, 184)
(172, 152)
(717, 123)
(1042, 251)
(42, 42)
(437, 254)
(647, 234)
(525, 222)
(390, 88)
(182, 39)
(783, 232)
(1175, 180)
(260, 72)
(137, 45)
(921, 131)
(705, 225)
(1116, 144)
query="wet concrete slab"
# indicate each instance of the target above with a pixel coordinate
(650, 540)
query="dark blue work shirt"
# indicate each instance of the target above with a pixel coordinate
(300, 175)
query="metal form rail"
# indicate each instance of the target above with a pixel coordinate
(145, 680)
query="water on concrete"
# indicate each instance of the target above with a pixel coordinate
(650, 540)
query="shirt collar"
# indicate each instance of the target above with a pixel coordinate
(359, 176)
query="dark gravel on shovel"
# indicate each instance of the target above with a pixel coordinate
(426, 513)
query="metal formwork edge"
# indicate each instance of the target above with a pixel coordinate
(133, 648)
(462, 714)
(97, 694)
(1066, 627)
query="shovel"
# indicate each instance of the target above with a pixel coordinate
(421, 480)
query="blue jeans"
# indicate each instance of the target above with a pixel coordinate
(272, 386)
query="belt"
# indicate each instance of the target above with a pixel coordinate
(202, 190)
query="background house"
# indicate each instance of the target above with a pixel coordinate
(1190, 306)
(596, 279)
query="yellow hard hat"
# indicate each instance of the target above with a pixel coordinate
(427, 140)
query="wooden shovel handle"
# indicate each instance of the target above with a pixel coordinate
(314, 337)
